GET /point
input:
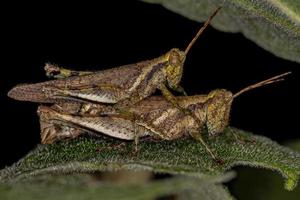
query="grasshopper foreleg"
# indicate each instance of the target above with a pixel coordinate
(171, 98)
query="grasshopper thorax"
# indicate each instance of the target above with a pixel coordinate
(218, 110)
(174, 68)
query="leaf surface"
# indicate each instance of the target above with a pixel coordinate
(272, 24)
(183, 156)
(87, 187)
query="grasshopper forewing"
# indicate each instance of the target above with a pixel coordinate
(154, 116)
(121, 85)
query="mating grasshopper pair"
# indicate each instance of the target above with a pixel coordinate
(154, 116)
(116, 102)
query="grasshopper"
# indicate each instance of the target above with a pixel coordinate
(154, 116)
(120, 86)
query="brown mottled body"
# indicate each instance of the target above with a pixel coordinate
(154, 117)
(113, 85)
(123, 86)
(154, 114)
(159, 116)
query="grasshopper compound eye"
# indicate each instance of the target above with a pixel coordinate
(176, 57)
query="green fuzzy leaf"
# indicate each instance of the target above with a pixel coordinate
(272, 24)
(183, 156)
(265, 185)
(295, 145)
(87, 187)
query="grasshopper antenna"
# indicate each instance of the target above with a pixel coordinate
(201, 30)
(262, 83)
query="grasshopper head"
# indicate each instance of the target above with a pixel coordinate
(218, 110)
(219, 104)
(174, 68)
(176, 57)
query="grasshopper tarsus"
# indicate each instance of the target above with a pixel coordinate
(135, 151)
(54, 71)
(180, 90)
(219, 161)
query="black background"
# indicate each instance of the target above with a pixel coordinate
(94, 37)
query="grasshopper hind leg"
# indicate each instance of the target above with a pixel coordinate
(172, 99)
(52, 132)
(54, 71)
